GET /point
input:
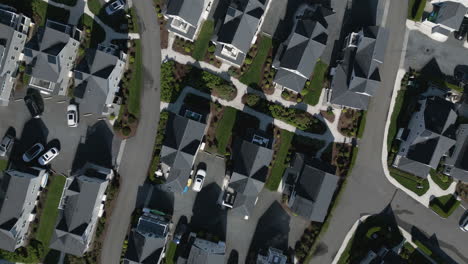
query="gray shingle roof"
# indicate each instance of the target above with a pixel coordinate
(458, 159)
(188, 10)
(206, 252)
(303, 48)
(18, 193)
(241, 23)
(78, 218)
(451, 14)
(357, 78)
(181, 142)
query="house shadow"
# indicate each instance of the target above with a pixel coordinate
(34, 131)
(338, 45)
(96, 148)
(160, 200)
(432, 243)
(272, 231)
(207, 213)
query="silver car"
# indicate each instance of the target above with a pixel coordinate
(464, 222)
(6, 144)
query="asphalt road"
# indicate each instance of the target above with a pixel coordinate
(367, 190)
(138, 150)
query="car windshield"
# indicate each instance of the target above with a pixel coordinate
(53, 151)
(34, 149)
(2, 148)
(70, 116)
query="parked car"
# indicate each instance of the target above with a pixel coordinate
(32, 106)
(33, 152)
(115, 6)
(72, 115)
(199, 180)
(462, 31)
(464, 222)
(6, 144)
(48, 156)
(179, 233)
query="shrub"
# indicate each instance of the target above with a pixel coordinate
(131, 119)
(211, 48)
(252, 99)
(126, 130)
(248, 61)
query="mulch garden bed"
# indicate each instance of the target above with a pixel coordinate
(329, 116)
(216, 113)
(349, 122)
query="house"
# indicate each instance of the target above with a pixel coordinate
(146, 243)
(97, 79)
(251, 159)
(357, 77)
(50, 56)
(19, 191)
(446, 16)
(81, 204)
(182, 139)
(273, 256)
(429, 137)
(309, 189)
(204, 251)
(456, 164)
(239, 30)
(14, 29)
(383, 256)
(185, 16)
(296, 57)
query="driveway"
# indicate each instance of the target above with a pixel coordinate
(367, 190)
(138, 150)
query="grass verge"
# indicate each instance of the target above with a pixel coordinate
(201, 45)
(170, 252)
(224, 129)
(3, 165)
(253, 75)
(410, 181)
(136, 82)
(416, 9)
(279, 165)
(314, 89)
(440, 179)
(445, 205)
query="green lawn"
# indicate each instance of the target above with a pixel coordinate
(3, 164)
(279, 165)
(253, 75)
(50, 211)
(440, 179)
(314, 88)
(224, 129)
(170, 252)
(416, 9)
(43, 11)
(392, 130)
(201, 45)
(136, 27)
(410, 181)
(95, 6)
(362, 124)
(444, 205)
(136, 82)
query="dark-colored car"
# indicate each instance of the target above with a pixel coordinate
(179, 233)
(462, 31)
(33, 152)
(6, 144)
(32, 106)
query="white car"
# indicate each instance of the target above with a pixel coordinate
(72, 115)
(33, 152)
(199, 179)
(48, 156)
(464, 223)
(115, 6)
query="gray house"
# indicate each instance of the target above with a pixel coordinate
(14, 30)
(309, 189)
(50, 57)
(19, 191)
(81, 205)
(204, 251)
(296, 58)
(251, 159)
(446, 16)
(272, 256)
(456, 164)
(97, 79)
(357, 78)
(147, 241)
(182, 139)
(429, 136)
(185, 16)
(239, 30)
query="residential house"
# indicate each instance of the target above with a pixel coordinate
(146, 243)
(184, 17)
(19, 191)
(273, 256)
(456, 163)
(357, 77)
(446, 16)
(14, 29)
(204, 251)
(80, 207)
(251, 159)
(97, 79)
(50, 57)
(309, 189)
(239, 30)
(383, 256)
(296, 57)
(182, 139)
(429, 137)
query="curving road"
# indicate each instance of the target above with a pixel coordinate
(138, 150)
(367, 190)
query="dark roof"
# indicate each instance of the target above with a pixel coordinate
(450, 14)
(182, 139)
(458, 159)
(188, 10)
(206, 252)
(240, 24)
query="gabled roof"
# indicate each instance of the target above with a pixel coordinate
(18, 193)
(357, 78)
(303, 48)
(188, 10)
(206, 252)
(240, 24)
(77, 220)
(182, 139)
(450, 14)
(458, 159)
